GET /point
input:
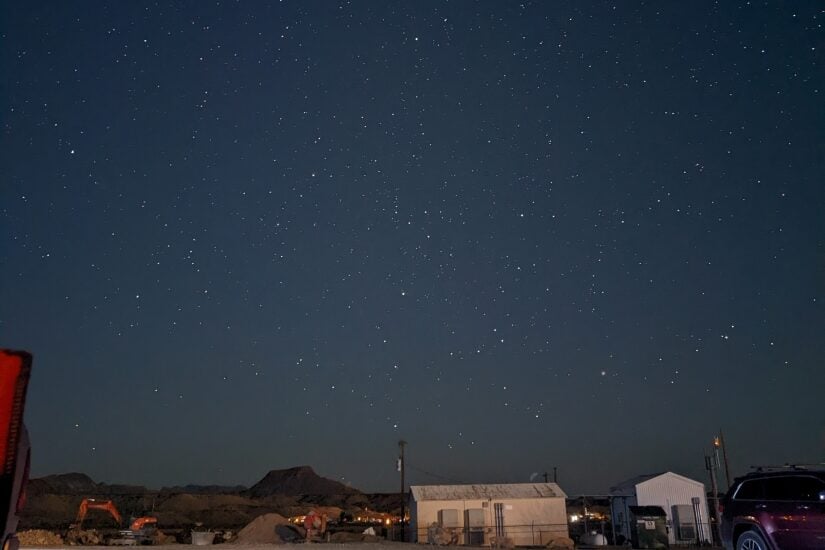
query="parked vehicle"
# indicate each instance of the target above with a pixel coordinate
(775, 509)
(15, 367)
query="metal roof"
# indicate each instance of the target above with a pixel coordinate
(486, 492)
(628, 487)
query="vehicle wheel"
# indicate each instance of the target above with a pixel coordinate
(751, 540)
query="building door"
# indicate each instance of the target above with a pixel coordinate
(474, 526)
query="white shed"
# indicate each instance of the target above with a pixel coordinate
(682, 499)
(527, 513)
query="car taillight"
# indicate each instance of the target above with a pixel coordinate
(15, 367)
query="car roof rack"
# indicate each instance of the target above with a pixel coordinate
(773, 468)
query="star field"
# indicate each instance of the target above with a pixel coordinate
(239, 236)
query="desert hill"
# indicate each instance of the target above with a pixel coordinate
(205, 489)
(298, 481)
(77, 483)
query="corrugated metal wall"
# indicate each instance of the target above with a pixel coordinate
(669, 490)
(526, 522)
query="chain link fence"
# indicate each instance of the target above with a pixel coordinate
(539, 534)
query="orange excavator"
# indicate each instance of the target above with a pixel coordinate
(140, 531)
(92, 504)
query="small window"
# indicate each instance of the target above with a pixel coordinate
(448, 518)
(752, 489)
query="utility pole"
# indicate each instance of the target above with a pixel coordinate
(711, 463)
(725, 459)
(545, 477)
(555, 475)
(401, 445)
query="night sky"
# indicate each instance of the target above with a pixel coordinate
(240, 236)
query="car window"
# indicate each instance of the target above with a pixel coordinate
(781, 488)
(797, 488)
(807, 488)
(751, 489)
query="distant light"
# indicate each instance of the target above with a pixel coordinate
(574, 518)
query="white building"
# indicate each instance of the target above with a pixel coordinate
(527, 513)
(682, 499)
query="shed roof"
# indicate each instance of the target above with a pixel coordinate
(628, 487)
(486, 492)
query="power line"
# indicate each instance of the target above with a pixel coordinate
(437, 476)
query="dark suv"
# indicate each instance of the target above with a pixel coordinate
(775, 510)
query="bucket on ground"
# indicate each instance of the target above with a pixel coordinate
(202, 538)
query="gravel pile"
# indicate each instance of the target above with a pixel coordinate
(262, 530)
(39, 537)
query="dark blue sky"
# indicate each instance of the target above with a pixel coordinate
(242, 235)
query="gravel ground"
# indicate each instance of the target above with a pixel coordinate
(313, 546)
(317, 546)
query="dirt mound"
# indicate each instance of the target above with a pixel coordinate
(262, 530)
(39, 537)
(297, 481)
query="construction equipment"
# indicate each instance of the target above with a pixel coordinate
(93, 504)
(141, 530)
(315, 524)
(141, 523)
(15, 368)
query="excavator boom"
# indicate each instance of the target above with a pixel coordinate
(91, 504)
(142, 522)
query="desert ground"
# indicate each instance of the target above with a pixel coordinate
(321, 546)
(325, 546)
